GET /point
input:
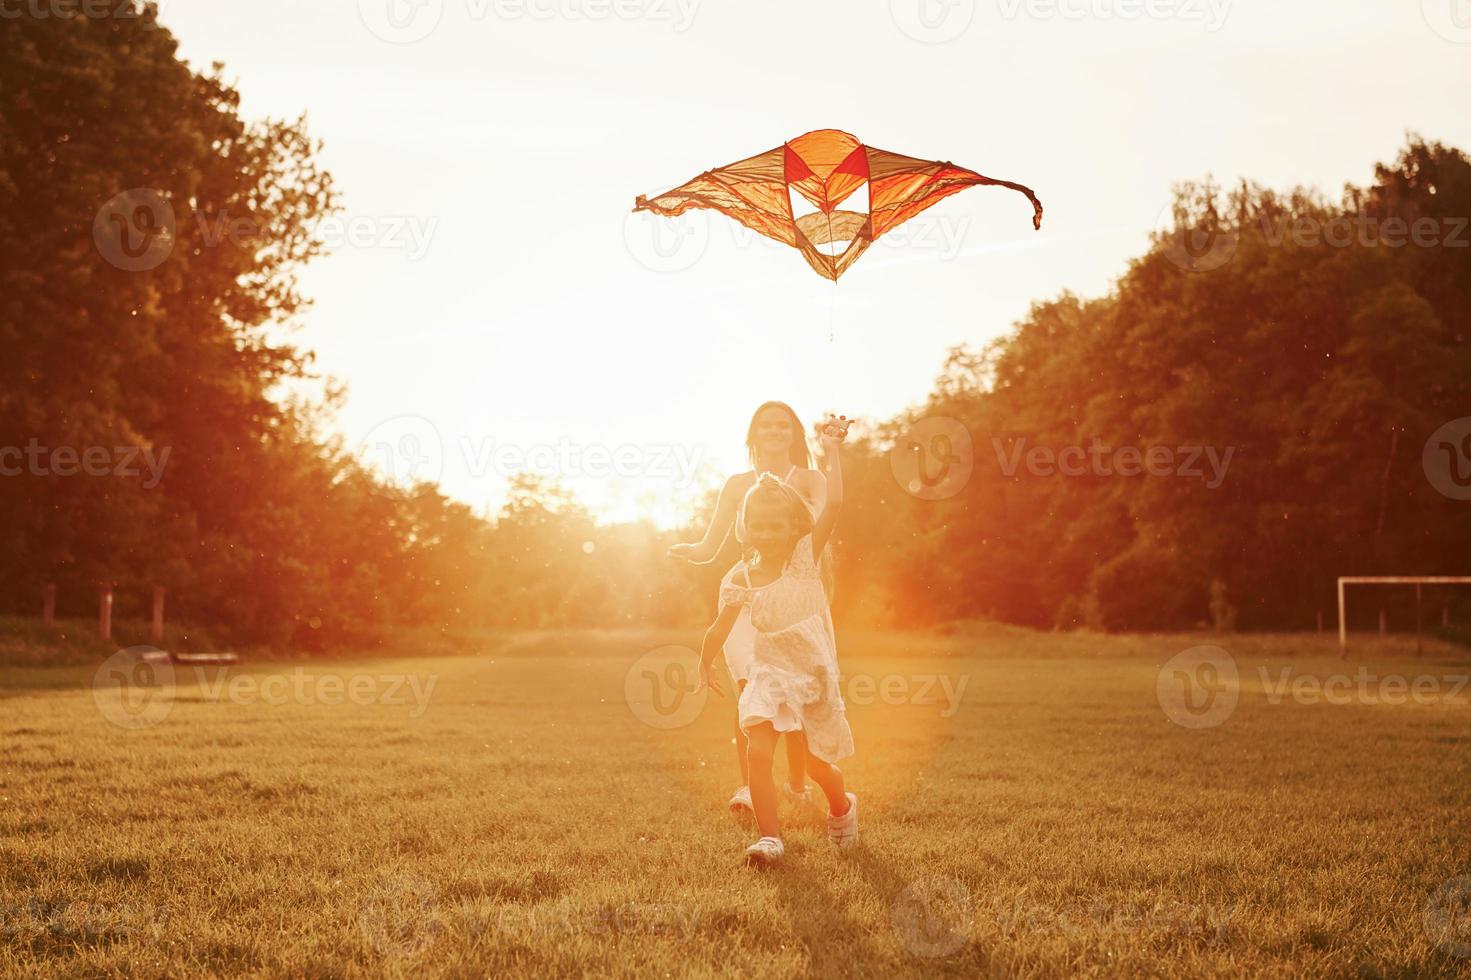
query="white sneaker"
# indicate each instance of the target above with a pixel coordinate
(740, 804)
(843, 831)
(766, 852)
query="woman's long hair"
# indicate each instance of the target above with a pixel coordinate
(797, 453)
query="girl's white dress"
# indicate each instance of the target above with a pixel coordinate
(793, 681)
(738, 646)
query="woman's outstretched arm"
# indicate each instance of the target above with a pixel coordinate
(832, 444)
(708, 547)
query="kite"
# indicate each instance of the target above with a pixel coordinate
(825, 167)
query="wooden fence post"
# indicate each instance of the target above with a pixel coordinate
(158, 594)
(104, 614)
(1419, 623)
(48, 605)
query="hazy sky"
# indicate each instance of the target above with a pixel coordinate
(492, 302)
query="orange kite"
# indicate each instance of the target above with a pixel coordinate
(825, 167)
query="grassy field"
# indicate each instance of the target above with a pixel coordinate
(555, 805)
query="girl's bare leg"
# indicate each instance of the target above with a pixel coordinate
(740, 739)
(797, 761)
(761, 749)
(830, 778)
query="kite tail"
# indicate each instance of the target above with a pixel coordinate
(1036, 204)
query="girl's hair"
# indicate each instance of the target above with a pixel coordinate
(770, 489)
(797, 452)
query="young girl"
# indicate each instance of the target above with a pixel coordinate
(793, 681)
(776, 443)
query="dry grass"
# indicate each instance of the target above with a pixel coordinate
(524, 820)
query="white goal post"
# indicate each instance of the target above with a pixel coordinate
(1416, 580)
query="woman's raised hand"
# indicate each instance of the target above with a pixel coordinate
(683, 551)
(832, 430)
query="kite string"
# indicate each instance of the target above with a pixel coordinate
(833, 296)
(832, 314)
(832, 349)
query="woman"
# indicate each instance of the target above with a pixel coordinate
(777, 444)
(794, 684)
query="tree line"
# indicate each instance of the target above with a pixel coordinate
(1267, 399)
(1243, 417)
